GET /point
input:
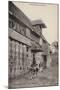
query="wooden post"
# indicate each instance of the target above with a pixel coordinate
(13, 57)
(17, 60)
(21, 66)
(24, 58)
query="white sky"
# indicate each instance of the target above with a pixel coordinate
(46, 12)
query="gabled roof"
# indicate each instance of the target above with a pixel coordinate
(55, 43)
(20, 15)
(39, 22)
(44, 39)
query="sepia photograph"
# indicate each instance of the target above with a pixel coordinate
(33, 44)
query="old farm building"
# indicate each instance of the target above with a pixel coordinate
(26, 42)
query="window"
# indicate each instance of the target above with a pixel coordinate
(27, 49)
(18, 27)
(22, 30)
(12, 24)
(27, 32)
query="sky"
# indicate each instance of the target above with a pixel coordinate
(47, 13)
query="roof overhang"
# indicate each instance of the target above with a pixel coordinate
(37, 50)
(39, 22)
(16, 12)
(36, 47)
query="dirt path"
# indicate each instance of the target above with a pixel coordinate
(48, 77)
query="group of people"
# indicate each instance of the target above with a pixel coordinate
(35, 68)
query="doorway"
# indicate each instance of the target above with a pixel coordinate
(44, 61)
